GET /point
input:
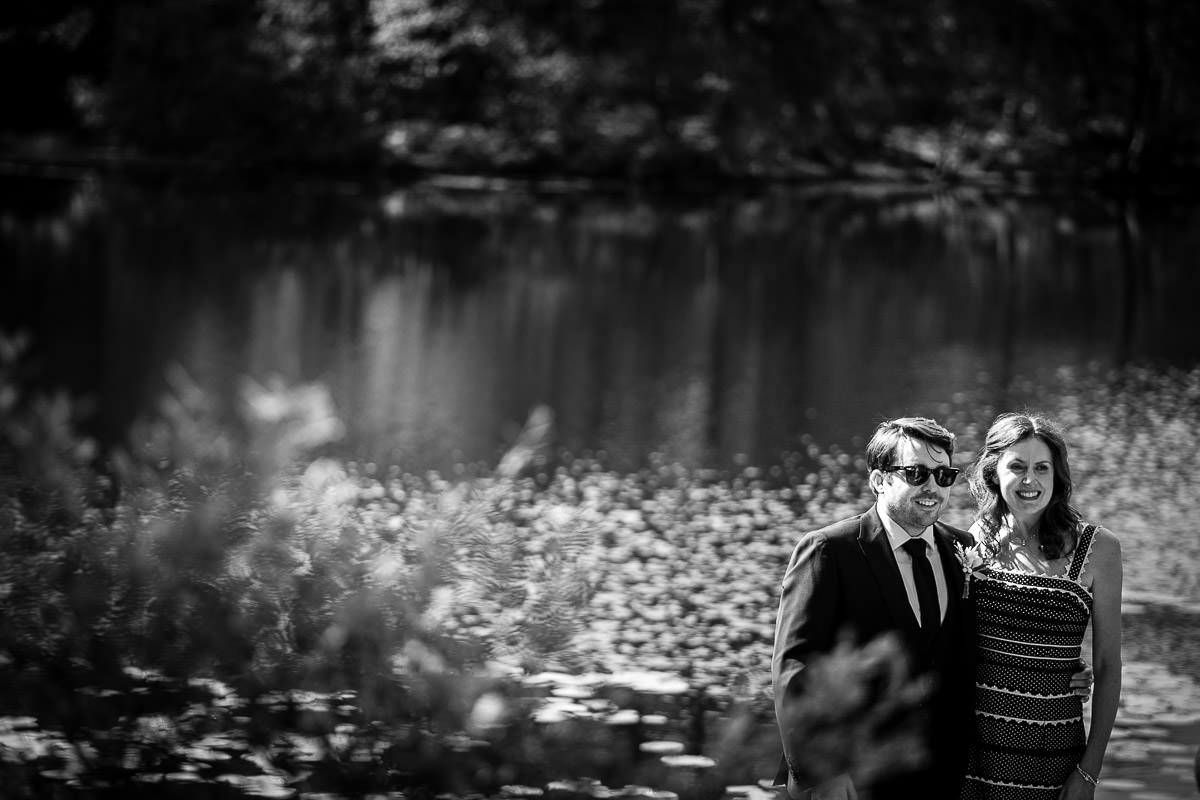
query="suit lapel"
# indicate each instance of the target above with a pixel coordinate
(877, 549)
(950, 564)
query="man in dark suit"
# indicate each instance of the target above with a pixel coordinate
(892, 570)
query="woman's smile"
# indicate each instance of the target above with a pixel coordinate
(1026, 475)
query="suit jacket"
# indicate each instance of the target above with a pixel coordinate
(843, 580)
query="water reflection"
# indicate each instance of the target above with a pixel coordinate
(715, 333)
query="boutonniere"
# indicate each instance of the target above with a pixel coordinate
(971, 562)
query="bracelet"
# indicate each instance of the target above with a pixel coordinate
(1086, 776)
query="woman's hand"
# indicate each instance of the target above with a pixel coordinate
(1076, 788)
(1081, 682)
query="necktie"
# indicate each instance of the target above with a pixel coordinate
(926, 589)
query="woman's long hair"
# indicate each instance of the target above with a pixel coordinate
(1060, 520)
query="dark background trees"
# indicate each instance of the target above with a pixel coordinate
(615, 88)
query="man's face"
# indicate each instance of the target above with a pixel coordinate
(913, 508)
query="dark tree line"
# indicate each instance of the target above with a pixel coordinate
(621, 88)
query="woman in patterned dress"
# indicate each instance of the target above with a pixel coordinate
(1045, 574)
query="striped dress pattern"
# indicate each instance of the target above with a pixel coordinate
(1029, 732)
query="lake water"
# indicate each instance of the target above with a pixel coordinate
(716, 332)
(719, 333)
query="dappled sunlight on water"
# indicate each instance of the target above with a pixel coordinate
(1157, 732)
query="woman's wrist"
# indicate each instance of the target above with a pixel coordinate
(1087, 776)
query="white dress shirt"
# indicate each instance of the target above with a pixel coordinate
(898, 536)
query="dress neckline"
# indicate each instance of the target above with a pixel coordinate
(1079, 559)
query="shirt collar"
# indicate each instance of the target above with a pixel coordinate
(897, 536)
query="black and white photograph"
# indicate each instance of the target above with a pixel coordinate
(599, 400)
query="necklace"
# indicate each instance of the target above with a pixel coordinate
(1022, 540)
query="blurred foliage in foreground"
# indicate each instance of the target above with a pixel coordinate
(219, 555)
(208, 553)
(616, 88)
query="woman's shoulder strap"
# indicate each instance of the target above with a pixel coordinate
(1083, 550)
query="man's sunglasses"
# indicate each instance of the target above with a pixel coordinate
(917, 474)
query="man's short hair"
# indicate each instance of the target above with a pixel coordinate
(881, 450)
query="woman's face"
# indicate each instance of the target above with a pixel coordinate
(1026, 474)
